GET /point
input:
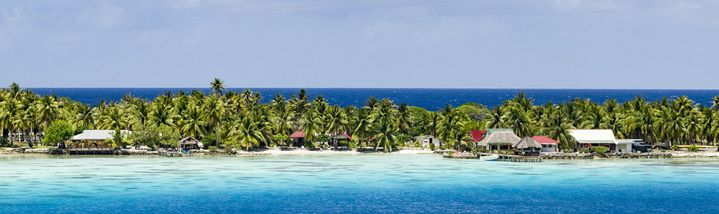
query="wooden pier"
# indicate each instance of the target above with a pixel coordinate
(518, 158)
(461, 155)
(90, 151)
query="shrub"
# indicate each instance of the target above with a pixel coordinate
(693, 148)
(352, 144)
(675, 147)
(280, 139)
(58, 132)
(600, 150)
(212, 148)
(309, 145)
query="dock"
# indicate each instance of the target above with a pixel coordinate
(461, 155)
(86, 151)
(518, 158)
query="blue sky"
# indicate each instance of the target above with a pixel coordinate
(372, 43)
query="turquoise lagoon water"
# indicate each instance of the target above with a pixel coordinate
(368, 183)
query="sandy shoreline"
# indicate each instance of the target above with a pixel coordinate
(328, 152)
(277, 152)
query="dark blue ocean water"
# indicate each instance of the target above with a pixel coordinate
(431, 99)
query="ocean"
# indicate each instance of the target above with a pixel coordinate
(364, 183)
(431, 99)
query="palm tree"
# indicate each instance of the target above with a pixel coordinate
(247, 133)
(139, 112)
(213, 111)
(218, 86)
(556, 125)
(47, 110)
(192, 122)
(83, 118)
(450, 126)
(112, 118)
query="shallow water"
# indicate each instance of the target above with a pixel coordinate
(374, 183)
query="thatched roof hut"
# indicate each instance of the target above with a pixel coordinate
(528, 143)
(500, 137)
(528, 147)
(189, 142)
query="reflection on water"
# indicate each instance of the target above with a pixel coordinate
(351, 183)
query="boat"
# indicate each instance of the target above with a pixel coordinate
(489, 157)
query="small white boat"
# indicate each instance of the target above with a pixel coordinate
(492, 157)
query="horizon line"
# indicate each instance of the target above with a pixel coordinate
(409, 88)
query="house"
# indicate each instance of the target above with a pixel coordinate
(340, 138)
(426, 140)
(298, 139)
(96, 138)
(528, 147)
(499, 139)
(189, 143)
(600, 137)
(548, 144)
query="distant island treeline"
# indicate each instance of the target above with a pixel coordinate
(228, 119)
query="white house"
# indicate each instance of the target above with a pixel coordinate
(600, 137)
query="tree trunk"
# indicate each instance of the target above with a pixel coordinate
(11, 137)
(217, 137)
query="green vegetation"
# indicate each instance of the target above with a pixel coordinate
(228, 119)
(600, 150)
(693, 148)
(58, 132)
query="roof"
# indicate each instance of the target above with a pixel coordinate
(489, 131)
(342, 135)
(629, 141)
(189, 140)
(500, 137)
(298, 134)
(97, 134)
(527, 142)
(593, 136)
(544, 140)
(477, 135)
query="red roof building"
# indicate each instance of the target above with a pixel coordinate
(544, 140)
(342, 135)
(477, 135)
(298, 134)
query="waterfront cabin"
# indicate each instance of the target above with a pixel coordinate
(298, 139)
(426, 140)
(96, 138)
(340, 138)
(527, 147)
(499, 139)
(548, 144)
(189, 143)
(599, 137)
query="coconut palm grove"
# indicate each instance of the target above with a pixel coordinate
(229, 120)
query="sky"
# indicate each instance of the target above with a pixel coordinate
(667, 44)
